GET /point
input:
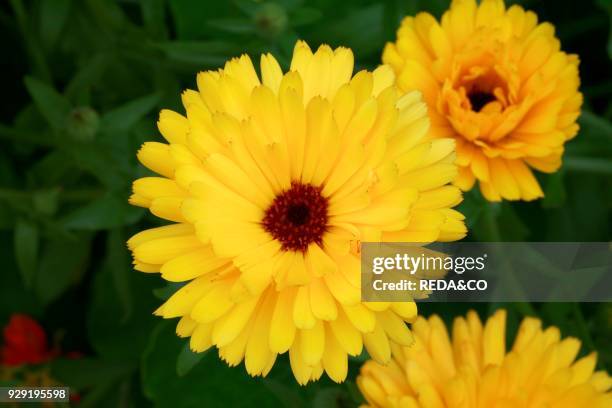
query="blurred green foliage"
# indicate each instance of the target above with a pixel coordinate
(82, 84)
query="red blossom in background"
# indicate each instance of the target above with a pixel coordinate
(25, 342)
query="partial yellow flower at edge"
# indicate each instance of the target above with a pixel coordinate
(495, 80)
(271, 184)
(471, 369)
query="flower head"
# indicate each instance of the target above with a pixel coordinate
(496, 80)
(25, 342)
(473, 369)
(272, 183)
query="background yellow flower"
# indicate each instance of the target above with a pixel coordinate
(497, 81)
(471, 368)
(83, 83)
(272, 185)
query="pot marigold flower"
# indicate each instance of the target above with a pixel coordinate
(272, 184)
(473, 369)
(496, 80)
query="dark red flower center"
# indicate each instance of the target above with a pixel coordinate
(297, 217)
(478, 99)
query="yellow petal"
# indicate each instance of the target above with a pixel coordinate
(302, 311)
(214, 304)
(185, 326)
(335, 360)
(162, 250)
(257, 351)
(271, 73)
(312, 343)
(227, 328)
(323, 303)
(377, 344)
(360, 317)
(156, 157)
(282, 327)
(200, 339)
(192, 265)
(172, 126)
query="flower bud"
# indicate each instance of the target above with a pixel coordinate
(82, 123)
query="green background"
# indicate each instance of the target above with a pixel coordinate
(82, 82)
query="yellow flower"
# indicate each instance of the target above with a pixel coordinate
(472, 369)
(496, 81)
(272, 184)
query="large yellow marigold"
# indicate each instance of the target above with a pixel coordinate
(473, 370)
(496, 80)
(272, 184)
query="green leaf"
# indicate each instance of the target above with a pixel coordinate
(8, 174)
(53, 15)
(285, 391)
(7, 217)
(107, 212)
(126, 116)
(236, 25)
(512, 224)
(331, 397)
(108, 14)
(187, 359)
(46, 201)
(102, 394)
(62, 264)
(13, 295)
(30, 40)
(597, 123)
(51, 168)
(472, 207)
(203, 54)
(354, 393)
(248, 7)
(361, 30)
(607, 6)
(290, 5)
(51, 105)
(99, 161)
(153, 15)
(211, 383)
(89, 75)
(111, 332)
(554, 190)
(80, 373)
(305, 16)
(188, 16)
(119, 264)
(26, 249)
(498, 223)
(588, 165)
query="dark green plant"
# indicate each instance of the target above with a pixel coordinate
(82, 84)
